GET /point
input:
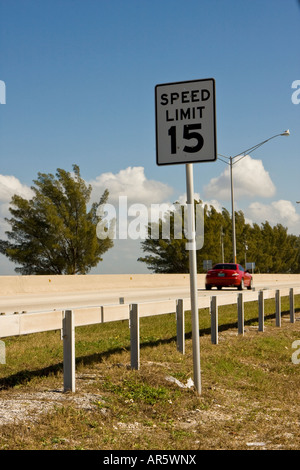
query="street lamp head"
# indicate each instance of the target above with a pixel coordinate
(287, 132)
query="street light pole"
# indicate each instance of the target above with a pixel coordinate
(232, 212)
(222, 244)
(232, 162)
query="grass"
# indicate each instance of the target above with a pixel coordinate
(249, 399)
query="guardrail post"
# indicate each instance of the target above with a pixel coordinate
(2, 352)
(292, 306)
(69, 351)
(180, 326)
(214, 319)
(261, 311)
(278, 307)
(240, 307)
(134, 336)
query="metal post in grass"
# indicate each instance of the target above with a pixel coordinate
(292, 306)
(240, 307)
(134, 336)
(278, 307)
(69, 351)
(261, 311)
(214, 319)
(193, 276)
(180, 326)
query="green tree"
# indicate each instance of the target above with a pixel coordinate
(212, 246)
(253, 240)
(54, 233)
(271, 248)
(167, 255)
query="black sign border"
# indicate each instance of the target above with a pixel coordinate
(214, 117)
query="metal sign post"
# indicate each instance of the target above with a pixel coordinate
(193, 277)
(186, 133)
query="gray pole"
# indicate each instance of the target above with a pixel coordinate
(233, 216)
(222, 244)
(214, 320)
(240, 306)
(193, 276)
(278, 307)
(69, 351)
(180, 326)
(261, 311)
(134, 336)
(292, 306)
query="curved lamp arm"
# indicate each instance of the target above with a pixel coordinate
(251, 149)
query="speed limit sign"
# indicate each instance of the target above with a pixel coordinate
(185, 122)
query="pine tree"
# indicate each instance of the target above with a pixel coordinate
(167, 254)
(272, 249)
(54, 233)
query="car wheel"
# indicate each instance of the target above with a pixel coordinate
(241, 286)
(250, 287)
(207, 287)
(219, 287)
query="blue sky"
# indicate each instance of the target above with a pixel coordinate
(80, 78)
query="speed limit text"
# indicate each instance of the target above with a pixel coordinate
(183, 98)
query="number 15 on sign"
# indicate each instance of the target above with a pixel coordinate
(185, 122)
(188, 133)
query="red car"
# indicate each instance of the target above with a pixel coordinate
(228, 275)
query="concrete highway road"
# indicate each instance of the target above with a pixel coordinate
(70, 300)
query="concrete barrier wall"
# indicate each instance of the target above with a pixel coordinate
(103, 282)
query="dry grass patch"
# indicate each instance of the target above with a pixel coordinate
(249, 400)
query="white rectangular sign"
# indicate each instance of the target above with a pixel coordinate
(185, 122)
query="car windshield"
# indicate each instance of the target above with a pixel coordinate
(225, 266)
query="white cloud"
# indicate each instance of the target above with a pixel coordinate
(10, 185)
(212, 202)
(250, 180)
(183, 198)
(277, 212)
(131, 182)
(215, 204)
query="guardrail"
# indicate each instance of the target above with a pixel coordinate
(68, 320)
